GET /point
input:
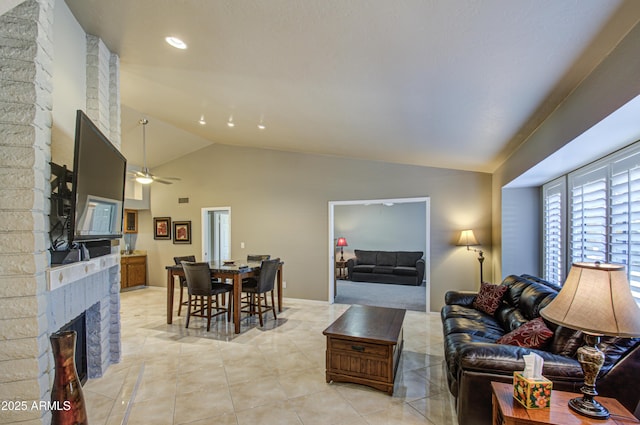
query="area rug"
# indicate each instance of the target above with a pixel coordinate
(381, 295)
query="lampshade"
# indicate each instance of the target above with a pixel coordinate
(467, 238)
(596, 299)
(342, 242)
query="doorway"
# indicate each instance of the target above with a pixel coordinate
(332, 286)
(216, 234)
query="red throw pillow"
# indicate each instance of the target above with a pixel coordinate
(489, 297)
(532, 334)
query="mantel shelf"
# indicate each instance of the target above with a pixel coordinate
(60, 276)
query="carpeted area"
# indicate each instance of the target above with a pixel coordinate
(381, 295)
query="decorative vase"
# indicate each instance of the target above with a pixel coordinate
(67, 400)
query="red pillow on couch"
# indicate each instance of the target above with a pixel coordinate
(532, 334)
(489, 297)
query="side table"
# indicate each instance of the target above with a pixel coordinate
(341, 269)
(507, 410)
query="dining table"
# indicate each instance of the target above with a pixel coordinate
(234, 271)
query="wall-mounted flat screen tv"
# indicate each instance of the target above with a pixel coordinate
(99, 172)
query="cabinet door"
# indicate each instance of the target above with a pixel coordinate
(137, 274)
(136, 271)
(130, 221)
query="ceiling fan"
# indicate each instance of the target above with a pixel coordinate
(144, 176)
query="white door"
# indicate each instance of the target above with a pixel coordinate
(216, 233)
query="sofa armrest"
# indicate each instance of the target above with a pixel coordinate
(351, 262)
(463, 298)
(420, 266)
(504, 359)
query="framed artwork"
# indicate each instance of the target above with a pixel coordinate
(182, 232)
(162, 228)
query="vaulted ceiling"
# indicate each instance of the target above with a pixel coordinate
(456, 84)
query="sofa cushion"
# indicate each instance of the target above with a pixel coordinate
(363, 268)
(383, 269)
(408, 258)
(386, 259)
(489, 297)
(532, 334)
(405, 271)
(566, 341)
(366, 257)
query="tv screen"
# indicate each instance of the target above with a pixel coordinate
(99, 172)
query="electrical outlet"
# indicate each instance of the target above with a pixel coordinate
(241, 245)
(284, 283)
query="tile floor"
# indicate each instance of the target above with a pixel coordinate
(271, 375)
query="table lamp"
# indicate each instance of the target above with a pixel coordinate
(467, 238)
(595, 299)
(342, 242)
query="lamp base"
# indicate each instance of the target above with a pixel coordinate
(589, 407)
(591, 360)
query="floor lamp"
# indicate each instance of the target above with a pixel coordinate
(467, 238)
(342, 242)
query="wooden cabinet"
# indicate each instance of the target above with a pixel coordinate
(130, 221)
(133, 271)
(364, 346)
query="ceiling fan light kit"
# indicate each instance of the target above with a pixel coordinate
(144, 176)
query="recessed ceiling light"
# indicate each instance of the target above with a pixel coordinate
(230, 122)
(176, 42)
(202, 121)
(261, 126)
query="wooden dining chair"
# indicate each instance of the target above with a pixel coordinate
(258, 288)
(183, 281)
(258, 257)
(203, 293)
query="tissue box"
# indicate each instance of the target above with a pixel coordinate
(532, 393)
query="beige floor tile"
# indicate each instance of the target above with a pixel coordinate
(270, 375)
(157, 411)
(303, 382)
(256, 393)
(279, 413)
(325, 407)
(199, 405)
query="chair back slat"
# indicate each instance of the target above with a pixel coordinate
(198, 277)
(189, 258)
(267, 277)
(258, 257)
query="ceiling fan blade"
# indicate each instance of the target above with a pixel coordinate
(159, 180)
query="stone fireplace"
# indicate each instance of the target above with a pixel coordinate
(90, 288)
(35, 299)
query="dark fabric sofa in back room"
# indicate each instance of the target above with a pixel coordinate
(479, 332)
(400, 267)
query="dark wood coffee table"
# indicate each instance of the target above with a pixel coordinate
(364, 346)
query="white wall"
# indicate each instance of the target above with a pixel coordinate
(611, 85)
(69, 82)
(279, 205)
(399, 227)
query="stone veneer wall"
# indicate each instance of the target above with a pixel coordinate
(28, 311)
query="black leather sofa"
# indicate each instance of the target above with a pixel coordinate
(401, 267)
(474, 359)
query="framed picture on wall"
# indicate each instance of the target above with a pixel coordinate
(162, 228)
(182, 232)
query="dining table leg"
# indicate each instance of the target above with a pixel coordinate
(170, 288)
(237, 293)
(280, 289)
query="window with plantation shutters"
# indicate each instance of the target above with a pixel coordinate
(588, 216)
(602, 217)
(554, 204)
(624, 234)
